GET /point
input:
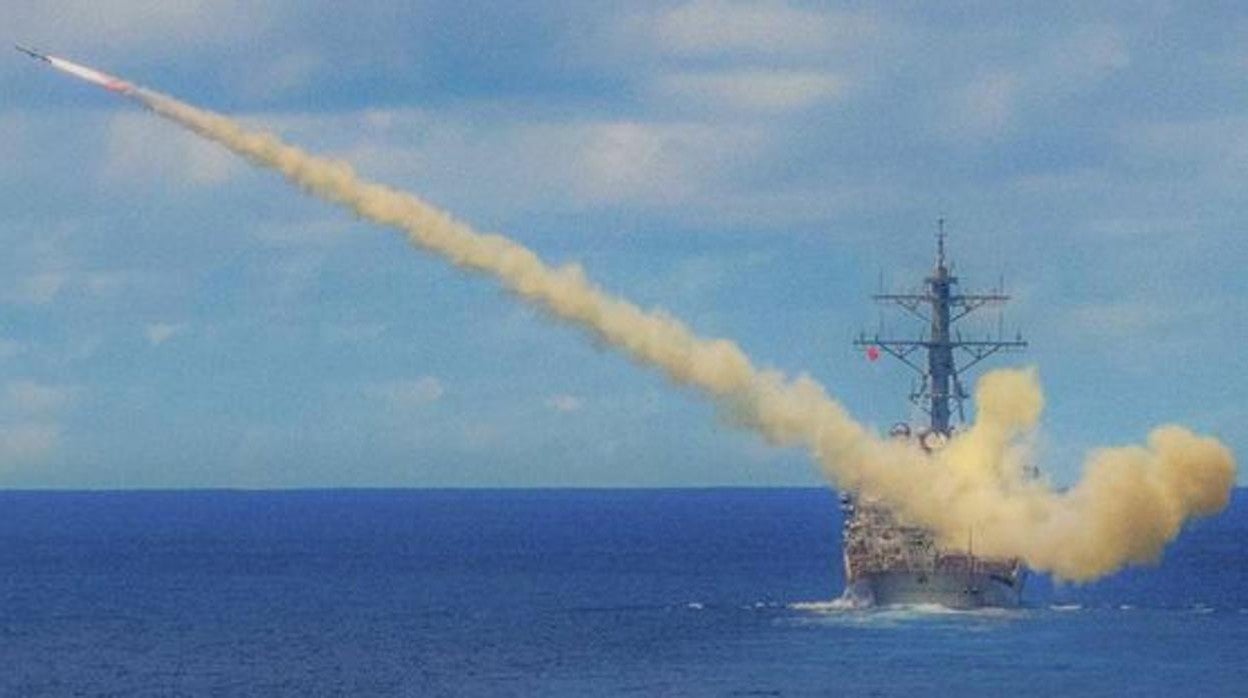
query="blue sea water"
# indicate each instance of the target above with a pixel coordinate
(560, 593)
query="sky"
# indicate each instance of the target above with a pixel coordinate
(174, 318)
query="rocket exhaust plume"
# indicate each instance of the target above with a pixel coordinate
(1130, 502)
(91, 75)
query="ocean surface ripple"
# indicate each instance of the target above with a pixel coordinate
(561, 593)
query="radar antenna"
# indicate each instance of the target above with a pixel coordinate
(940, 306)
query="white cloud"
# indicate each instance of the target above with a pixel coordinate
(299, 233)
(756, 89)
(700, 277)
(42, 288)
(27, 443)
(658, 164)
(1105, 323)
(38, 289)
(289, 278)
(480, 437)
(1137, 229)
(145, 149)
(1169, 331)
(988, 104)
(186, 24)
(158, 333)
(490, 167)
(1215, 150)
(984, 107)
(282, 73)
(766, 26)
(81, 348)
(628, 160)
(517, 165)
(564, 403)
(28, 397)
(1086, 56)
(47, 264)
(407, 395)
(106, 283)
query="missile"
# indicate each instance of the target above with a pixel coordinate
(32, 53)
(108, 82)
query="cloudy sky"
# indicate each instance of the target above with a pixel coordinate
(174, 318)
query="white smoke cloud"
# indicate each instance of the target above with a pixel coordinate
(1130, 503)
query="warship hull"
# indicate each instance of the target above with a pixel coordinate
(889, 562)
(955, 591)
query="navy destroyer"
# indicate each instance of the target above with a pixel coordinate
(888, 560)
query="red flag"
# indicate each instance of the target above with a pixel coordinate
(873, 353)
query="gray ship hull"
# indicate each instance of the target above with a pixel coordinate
(951, 590)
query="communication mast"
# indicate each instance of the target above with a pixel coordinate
(940, 306)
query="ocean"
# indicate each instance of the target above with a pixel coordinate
(720, 592)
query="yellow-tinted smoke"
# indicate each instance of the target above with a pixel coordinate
(1129, 504)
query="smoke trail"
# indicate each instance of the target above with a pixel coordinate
(1130, 503)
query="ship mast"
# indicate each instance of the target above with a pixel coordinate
(941, 306)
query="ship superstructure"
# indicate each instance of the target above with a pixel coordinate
(887, 560)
